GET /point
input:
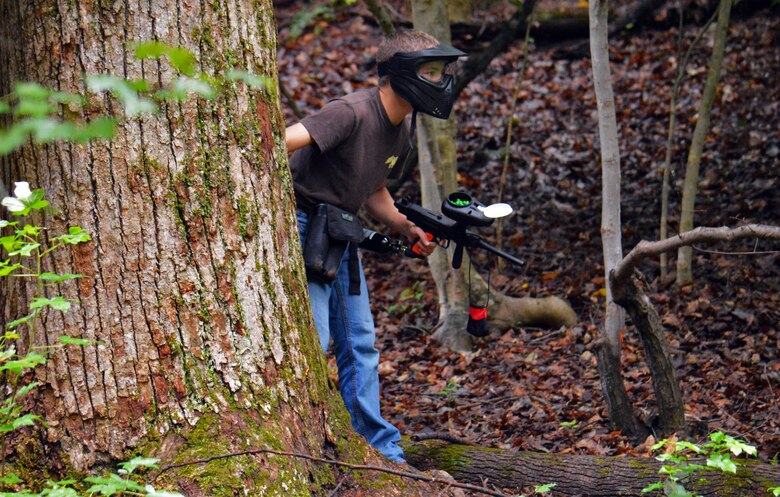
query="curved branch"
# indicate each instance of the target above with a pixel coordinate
(645, 249)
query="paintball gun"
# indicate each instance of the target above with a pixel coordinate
(459, 212)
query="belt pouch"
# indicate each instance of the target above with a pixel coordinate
(330, 230)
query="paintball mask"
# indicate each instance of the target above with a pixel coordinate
(430, 95)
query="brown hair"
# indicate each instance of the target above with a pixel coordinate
(407, 40)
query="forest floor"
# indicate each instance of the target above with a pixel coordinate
(538, 389)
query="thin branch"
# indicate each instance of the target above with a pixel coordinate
(335, 491)
(404, 474)
(720, 252)
(646, 249)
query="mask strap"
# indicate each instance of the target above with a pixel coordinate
(413, 129)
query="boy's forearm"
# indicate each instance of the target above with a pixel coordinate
(380, 205)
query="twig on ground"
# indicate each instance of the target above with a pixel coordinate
(341, 482)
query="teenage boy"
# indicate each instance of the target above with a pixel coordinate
(343, 155)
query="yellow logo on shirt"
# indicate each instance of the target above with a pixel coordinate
(391, 161)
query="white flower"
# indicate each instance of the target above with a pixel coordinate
(22, 190)
(14, 204)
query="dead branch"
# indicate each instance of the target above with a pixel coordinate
(645, 249)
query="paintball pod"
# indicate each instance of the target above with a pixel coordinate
(461, 212)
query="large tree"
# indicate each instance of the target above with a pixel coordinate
(194, 285)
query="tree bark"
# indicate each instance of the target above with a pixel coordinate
(579, 475)
(620, 410)
(685, 254)
(195, 293)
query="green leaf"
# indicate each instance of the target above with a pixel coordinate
(58, 278)
(17, 322)
(683, 445)
(102, 128)
(58, 491)
(543, 489)
(6, 270)
(12, 139)
(676, 490)
(59, 303)
(775, 491)
(151, 492)
(75, 235)
(27, 389)
(150, 50)
(184, 86)
(27, 362)
(67, 98)
(134, 103)
(112, 485)
(32, 91)
(653, 486)
(722, 462)
(25, 250)
(68, 340)
(183, 60)
(252, 80)
(10, 479)
(139, 462)
(26, 420)
(34, 108)
(4, 223)
(10, 242)
(4, 108)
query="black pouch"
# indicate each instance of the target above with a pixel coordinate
(329, 232)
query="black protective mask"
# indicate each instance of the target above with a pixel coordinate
(433, 98)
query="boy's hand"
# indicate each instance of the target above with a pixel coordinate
(418, 236)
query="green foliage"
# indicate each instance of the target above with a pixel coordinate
(410, 301)
(45, 116)
(571, 425)
(543, 489)
(678, 468)
(25, 254)
(310, 14)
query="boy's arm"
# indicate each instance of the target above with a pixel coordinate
(380, 205)
(296, 136)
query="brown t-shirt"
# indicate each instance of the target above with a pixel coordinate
(356, 148)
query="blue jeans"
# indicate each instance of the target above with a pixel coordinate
(348, 321)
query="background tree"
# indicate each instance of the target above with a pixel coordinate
(194, 291)
(684, 254)
(618, 403)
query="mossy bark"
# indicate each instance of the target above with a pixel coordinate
(194, 291)
(579, 475)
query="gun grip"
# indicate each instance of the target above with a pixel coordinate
(457, 257)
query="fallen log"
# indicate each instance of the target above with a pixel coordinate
(579, 475)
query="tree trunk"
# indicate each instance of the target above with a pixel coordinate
(195, 288)
(438, 168)
(684, 255)
(578, 475)
(619, 406)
